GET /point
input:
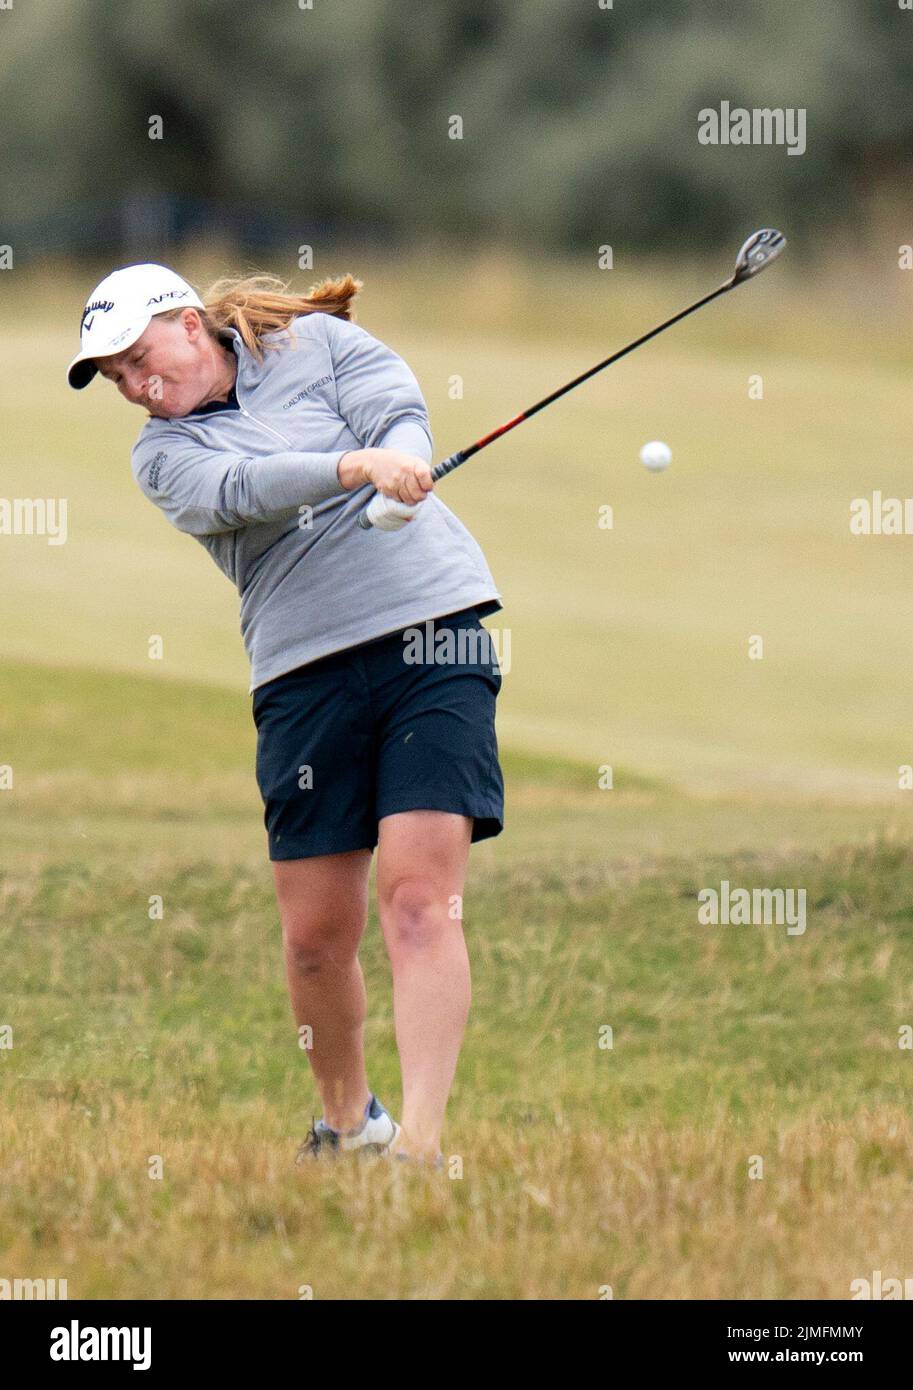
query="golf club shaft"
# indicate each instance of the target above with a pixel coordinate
(440, 470)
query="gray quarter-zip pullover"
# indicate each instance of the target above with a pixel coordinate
(258, 487)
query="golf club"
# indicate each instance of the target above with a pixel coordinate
(757, 253)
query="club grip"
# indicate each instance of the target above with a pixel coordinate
(370, 513)
(440, 470)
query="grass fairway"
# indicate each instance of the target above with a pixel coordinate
(581, 1167)
(628, 646)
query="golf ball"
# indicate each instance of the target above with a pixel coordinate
(656, 456)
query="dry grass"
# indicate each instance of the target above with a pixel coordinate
(546, 1210)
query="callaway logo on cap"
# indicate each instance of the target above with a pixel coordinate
(118, 311)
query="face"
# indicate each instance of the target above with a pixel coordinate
(171, 369)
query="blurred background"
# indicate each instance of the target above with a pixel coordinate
(577, 209)
(281, 122)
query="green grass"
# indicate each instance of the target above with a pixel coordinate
(581, 1166)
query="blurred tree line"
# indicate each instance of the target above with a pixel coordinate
(579, 118)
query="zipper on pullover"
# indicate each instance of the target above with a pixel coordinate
(262, 423)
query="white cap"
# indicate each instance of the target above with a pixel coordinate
(118, 312)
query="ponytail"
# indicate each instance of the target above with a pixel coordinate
(260, 304)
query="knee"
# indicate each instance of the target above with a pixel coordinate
(414, 916)
(312, 946)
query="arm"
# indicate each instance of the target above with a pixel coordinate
(410, 436)
(205, 491)
(377, 394)
(380, 400)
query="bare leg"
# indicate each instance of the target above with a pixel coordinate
(323, 904)
(421, 867)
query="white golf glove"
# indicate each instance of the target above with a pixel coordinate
(387, 514)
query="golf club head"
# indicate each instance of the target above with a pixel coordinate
(759, 250)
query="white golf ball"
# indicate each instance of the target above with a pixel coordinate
(656, 456)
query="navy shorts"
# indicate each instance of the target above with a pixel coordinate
(403, 723)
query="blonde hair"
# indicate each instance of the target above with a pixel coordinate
(260, 304)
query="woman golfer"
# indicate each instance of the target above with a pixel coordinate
(272, 419)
